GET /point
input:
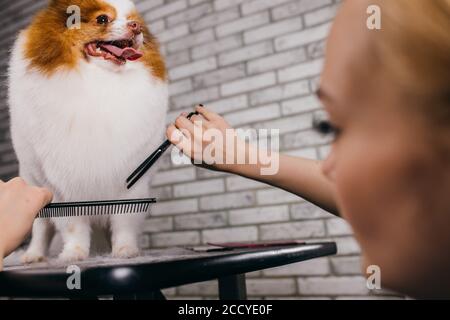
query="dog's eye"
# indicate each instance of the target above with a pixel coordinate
(103, 19)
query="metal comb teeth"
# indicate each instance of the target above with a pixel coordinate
(95, 208)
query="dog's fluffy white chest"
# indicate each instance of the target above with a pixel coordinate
(85, 130)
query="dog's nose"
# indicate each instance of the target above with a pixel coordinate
(135, 27)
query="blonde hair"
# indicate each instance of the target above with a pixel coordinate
(414, 44)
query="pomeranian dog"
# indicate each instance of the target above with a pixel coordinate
(87, 105)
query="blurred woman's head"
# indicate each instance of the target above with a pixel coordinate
(388, 96)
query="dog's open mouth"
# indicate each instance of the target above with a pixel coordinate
(119, 51)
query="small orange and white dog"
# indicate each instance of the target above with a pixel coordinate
(87, 105)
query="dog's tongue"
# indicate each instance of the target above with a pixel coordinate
(126, 53)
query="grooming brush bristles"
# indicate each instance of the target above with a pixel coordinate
(99, 208)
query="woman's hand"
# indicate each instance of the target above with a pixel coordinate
(208, 133)
(209, 141)
(19, 205)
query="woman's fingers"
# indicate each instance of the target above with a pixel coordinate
(182, 141)
(184, 123)
(41, 197)
(208, 115)
(17, 182)
(47, 196)
(196, 121)
(185, 133)
(201, 121)
(174, 134)
(197, 118)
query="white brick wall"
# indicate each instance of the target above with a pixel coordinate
(256, 62)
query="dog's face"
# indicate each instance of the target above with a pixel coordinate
(110, 30)
(113, 31)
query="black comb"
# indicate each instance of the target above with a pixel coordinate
(95, 208)
(150, 161)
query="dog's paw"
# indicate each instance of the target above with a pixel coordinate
(125, 252)
(73, 254)
(31, 256)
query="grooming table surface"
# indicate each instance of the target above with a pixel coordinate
(142, 277)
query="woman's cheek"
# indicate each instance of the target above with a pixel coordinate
(376, 185)
(360, 184)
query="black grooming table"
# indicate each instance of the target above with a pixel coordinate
(145, 276)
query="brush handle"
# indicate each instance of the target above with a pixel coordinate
(150, 161)
(147, 164)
